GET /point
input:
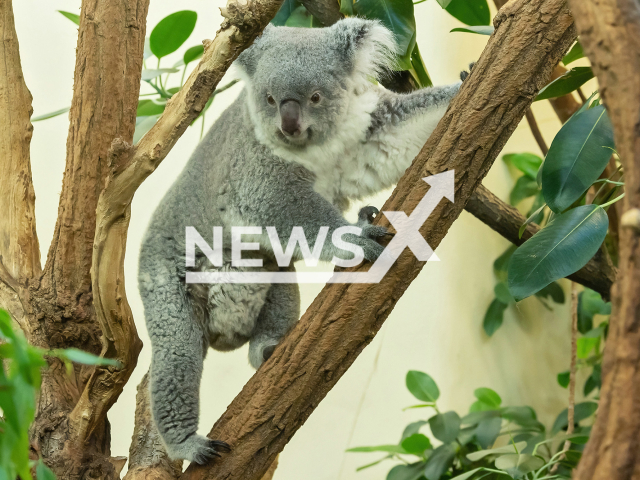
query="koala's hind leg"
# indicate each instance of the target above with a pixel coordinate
(178, 347)
(279, 313)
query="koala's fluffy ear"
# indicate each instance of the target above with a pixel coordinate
(248, 59)
(368, 45)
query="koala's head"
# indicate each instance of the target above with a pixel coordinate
(299, 79)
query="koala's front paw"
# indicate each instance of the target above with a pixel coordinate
(372, 249)
(198, 449)
(465, 74)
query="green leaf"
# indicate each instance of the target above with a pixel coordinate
(440, 461)
(525, 187)
(589, 342)
(346, 8)
(480, 29)
(507, 449)
(561, 248)
(564, 378)
(502, 262)
(488, 396)
(487, 431)
(150, 107)
(574, 54)
(406, 472)
(43, 472)
(494, 317)
(418, 66)
(74, 17)
(396, 15)
(582, 410)
(467, 475)
(590, 303)
(422, 386)
(171, 32)
(86, 358)
(553, 291)
(444, 3)
(470, 12)
(476, 416)
(567, 83)
(594, 381)
(151, 73)
(445, 426)
(523, 416)
(578, 155)
(527, 163)
(502, 293)
(518, 464)
(413, 428)
(301, 18)
(50, 115)
(416, 444)
(397, 449)
(192, 54)
(143, 125)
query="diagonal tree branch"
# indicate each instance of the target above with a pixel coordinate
(530, 38)
(610, 34)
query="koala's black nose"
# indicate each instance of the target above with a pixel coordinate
(290, 117)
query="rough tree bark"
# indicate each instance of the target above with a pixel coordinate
(610, 33)
(531, 37)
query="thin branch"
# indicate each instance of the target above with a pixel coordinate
(598, 274)
(572, 375)
(537, 134)
(344, 318)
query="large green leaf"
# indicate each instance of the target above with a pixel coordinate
(301, 18)
(422, 386)
(171, 32)
(494, 317)
(561, 248)
(396, 15)
(445, 426)
(417, 63)
(567, 83)
(470, 12)
(578, 155)
(440, 461)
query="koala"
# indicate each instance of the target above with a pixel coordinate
(311, 131)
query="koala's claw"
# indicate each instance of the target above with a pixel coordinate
(199, 449)
(368, 214)
(267, 352)
(465, 74)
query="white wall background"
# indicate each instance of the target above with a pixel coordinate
(437, 325)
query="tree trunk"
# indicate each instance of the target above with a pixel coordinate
(610, 34)
(531, 36)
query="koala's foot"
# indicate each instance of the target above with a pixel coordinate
(465, 74)
(198, 449)
(260, 351)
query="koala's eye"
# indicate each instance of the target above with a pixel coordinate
(270, 100)
(315, 98)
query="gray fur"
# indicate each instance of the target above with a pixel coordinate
(356, 140)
